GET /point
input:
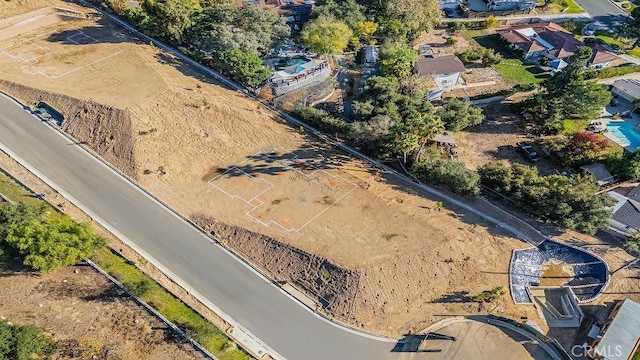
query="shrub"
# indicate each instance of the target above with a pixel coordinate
(323, 121)
(489, 295)
(453, 174)
(24, 342)
(491, 21)
(451, 41)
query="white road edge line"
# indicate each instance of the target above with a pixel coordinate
(156, 263)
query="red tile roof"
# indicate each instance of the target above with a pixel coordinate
(563, 42)
(601, 55)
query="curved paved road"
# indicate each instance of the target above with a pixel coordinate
(189, 256)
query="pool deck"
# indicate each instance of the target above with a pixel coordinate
(634, 119)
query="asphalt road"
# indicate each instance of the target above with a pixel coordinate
(604, 11)
(256, 304)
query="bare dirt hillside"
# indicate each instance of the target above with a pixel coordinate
(105, 129)
(88, 316)
(210, 151)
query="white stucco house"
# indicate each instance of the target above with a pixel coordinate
(500, 5)
(444, 70)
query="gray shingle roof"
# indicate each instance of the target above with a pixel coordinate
(622, 335)
(629, 214)
(629, 86)
(439, 65)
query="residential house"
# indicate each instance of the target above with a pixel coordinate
(628, 89)
(601, 57)
(599, 172)
(541, 39)
(626, 211)
(501, 5)
(444, 70)
(296, 73)
(619, 337)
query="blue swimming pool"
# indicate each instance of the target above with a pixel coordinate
(625, 131)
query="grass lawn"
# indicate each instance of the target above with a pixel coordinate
(573, 8)
(201, 330)
(635, 52)
(573, 126)
(512, 68)
(611, 40)
(629, 6)
(14, 191)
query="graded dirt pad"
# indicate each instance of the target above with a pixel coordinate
(417, 260)
(88, 316)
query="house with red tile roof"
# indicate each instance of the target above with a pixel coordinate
(601, 57)
(541, 39)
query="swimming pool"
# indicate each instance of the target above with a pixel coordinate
(625, 132)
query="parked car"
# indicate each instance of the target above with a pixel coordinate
(528, 151)
(614, 102)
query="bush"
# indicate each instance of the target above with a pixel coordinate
(469, 56)
(458, 115)
(323, 121)
(24, 342)
(491, 21)
(451, 41)
(453, 174)
(570, 203)
(611, 72)
(45, 240)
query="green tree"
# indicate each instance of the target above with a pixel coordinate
(24, 342)
(631, 27)
(348, 11)
(632, 243)
(458, 115)
(248, 28)
(567, 95)
(243, 66)
(450, 173)
(326, 35)
(397, 59)
(570, 203)
(48, 243)
(170, 19)
(365, 30)
(416, 16)
(491, 21)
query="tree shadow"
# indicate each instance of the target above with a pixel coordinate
(454, 297)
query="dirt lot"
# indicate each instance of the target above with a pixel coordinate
(86, 314)
(195, 145)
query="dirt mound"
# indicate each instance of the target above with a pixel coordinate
(331, 286)
(106, 130)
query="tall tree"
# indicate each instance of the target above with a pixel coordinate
(170, 18)
(631, 27)
(567, 95)
(248, 28)
(243, 66)
(348, 11)
(397, 59)
(417, 16)
(457, 114)
(326, 35)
